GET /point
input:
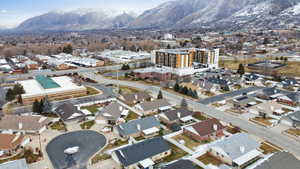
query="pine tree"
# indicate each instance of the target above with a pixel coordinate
(184, 103)
(195, 94)
(18, 89)
(36, 106)
(10, 95)
(176, 87)
(160, 95)
(241, 70)
(47, 106)
(68, 49)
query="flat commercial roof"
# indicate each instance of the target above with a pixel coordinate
(34, 88)
(46, 82)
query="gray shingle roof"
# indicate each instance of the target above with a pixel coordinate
(137, 152)
(114, 110)
(181, 164)
(281, 160)
(154, 104)
(173, 114)
(131, 126)
(17, 164)
(232, 145)
(295, 116)
(65, 111)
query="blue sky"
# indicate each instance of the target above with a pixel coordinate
(12, 12)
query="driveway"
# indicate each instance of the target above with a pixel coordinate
(89, 143)
(225, 96)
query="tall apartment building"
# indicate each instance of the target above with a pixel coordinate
(184, 58)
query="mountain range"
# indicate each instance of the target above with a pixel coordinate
(177, 14)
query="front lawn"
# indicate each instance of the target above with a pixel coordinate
(87, 125)
(93, 108)
(294, 132)
(91, 91)
(200, 117)
(132, 116)
(190, 143)
(116, 144)
(262, 121)
(269, 148)
(100, 157)
(59, 126)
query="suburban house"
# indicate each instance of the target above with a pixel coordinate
(155, 106)
(112, 114)
(29, 124)
(69, 112)
(205, 85)
(178, 115)
(10, 143)
(135, 98)
(206, 130)
(280, 160)
(270, 93)
(292, 120)
(31, 65)
(192, 87)
(252, 79)
(181, 164)
(292, 99)
(147, 127)
(244, 101)
(16, 164)
(143, 154)
(267, 109)
(238, 150)
(289, 83)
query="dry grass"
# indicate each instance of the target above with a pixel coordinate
(294, 132)
(208, 159)
(177, 153)
(269, 148)
(190, 143)
(126, 89)
(292, 69)
(263, 121)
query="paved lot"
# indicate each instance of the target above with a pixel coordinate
(89, 142)
(229, 95)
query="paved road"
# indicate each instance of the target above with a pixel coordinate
(89, 143)
(63, 72)
(2, 96)
(274, 137)
(229, 95)
(115, 74)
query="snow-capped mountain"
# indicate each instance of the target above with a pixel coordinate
(81, 19)
(229, 14)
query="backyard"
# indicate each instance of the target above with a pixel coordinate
(91, 91)
(87, 124)
(269, 148)
(132, 116)
(294, 132)
(59, 126)
(190, 143)
(177, 153)
(262, 121)
(208, 159)
(93, 108)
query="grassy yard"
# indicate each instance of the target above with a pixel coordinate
(263, 121)
(208, 93)
(208, 159)
(292, 69)
(126, 89)
(93, 108)
(269, 148)
(176, 153)
(190, 143)
(233, 130)
(28, 154)
(87, 125)
(100, 157)
(91, 91)
(59, 125)
(294, 132)
(132, 116)
(118, 143)
(200, 117)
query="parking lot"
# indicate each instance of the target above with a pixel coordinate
(89, 142)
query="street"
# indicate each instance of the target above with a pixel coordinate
(229, 95)
(276, 138)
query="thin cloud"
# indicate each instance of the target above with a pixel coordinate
(3, 11)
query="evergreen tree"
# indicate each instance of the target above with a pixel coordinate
(36, 106)
(190, 92)
(68, 49)
(195, 94)
(160, 95)
(47, 106)
(184, 90)
(176, 87)
(10, 95)
(18, 89)
(241, 70)
(184, 103)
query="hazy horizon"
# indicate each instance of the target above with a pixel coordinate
(13, 12)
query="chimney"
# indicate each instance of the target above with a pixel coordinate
(138, 126)
(20, 125)
(215, 126)
(242, 149)
(179, 115)
(120, 108)
(136, 97)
